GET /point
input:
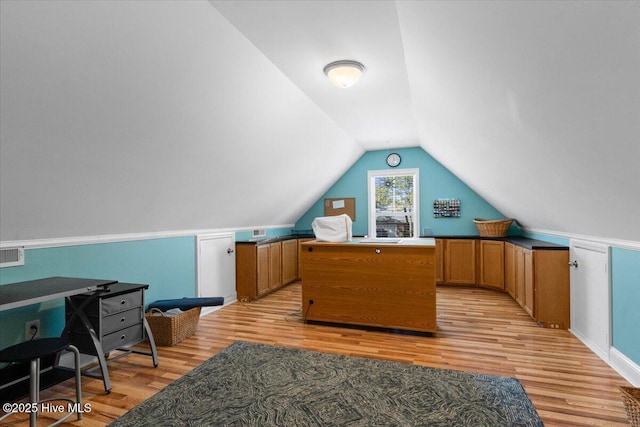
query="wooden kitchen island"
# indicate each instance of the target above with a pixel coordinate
(386, 283)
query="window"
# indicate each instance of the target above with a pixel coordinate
(393, 203)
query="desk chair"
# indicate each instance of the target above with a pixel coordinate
(32, 351)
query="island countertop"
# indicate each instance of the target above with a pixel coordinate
(379, 241)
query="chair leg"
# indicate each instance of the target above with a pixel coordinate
(76, 357)
(34, 390)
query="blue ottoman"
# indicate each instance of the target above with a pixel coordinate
(185, 304)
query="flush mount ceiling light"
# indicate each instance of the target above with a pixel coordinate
(344, 73)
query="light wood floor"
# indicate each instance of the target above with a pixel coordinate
(479, 331)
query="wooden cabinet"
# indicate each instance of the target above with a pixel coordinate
(289, 261)
(275, 265)
(300, 242)
(523, 273)
(491, 264)
(460, 261)
(510, 269)
(529, 287)
(262, 272)
(439, 260)
(540, 281)
(380, 285)
(254, 275)
(261, 269)
(518, 267)
(551, 288)
(536, 276)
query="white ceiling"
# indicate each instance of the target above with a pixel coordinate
(301, 37)
(143, 116)
(535, 105)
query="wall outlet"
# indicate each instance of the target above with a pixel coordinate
(32, 330)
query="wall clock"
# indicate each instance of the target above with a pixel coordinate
(393, 159)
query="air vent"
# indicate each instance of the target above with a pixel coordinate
(259, 233)
(11, 257)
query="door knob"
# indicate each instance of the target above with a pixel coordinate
(229, 250)
(573, 264)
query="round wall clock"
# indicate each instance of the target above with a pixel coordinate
(393, 159)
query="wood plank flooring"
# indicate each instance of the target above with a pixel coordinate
(478, 331)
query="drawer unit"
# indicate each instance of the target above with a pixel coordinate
(117, 317)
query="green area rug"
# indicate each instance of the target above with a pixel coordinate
(260, 385)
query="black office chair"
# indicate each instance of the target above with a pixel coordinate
(32, 352)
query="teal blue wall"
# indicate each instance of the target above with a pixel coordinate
(553, 239)
(168, 266)
(625, 302)
(436, 182)
(246, 235)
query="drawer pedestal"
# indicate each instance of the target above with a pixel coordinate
(111, 321)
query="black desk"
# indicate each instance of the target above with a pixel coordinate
(21, 294)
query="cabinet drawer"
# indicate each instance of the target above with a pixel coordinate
(121, 303)
(122, 320)
(110, 323)
(130, 335)
(122, 338)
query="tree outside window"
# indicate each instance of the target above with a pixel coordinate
(394, 198)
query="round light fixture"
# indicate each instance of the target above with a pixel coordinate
(344, 73)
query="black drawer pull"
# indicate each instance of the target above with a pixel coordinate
(122, 320)
(123, 302)
(123, 337)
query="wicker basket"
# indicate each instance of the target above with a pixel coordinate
(631, 400)
(492, 227)
(170, 330)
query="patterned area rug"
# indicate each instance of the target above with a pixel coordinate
(260, 385)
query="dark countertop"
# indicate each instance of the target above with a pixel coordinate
(273, 239)
(521, 241)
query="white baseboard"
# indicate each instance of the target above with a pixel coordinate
(206, 310)
(600, 352)
(624, 366)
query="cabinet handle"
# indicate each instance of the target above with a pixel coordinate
(229, 250)
(122, 320)
(123, 302)
(573, 264)
(378, 250)
(122, 337)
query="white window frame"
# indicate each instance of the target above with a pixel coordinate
(371, 175)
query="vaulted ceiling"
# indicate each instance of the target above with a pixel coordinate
(122, 117)
(535, 105)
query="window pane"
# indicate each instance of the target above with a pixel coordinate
(394, 198)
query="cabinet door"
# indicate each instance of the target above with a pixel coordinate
(275, 265)
(552, 297)
(510, 269)
(440, 260)
(289, 261)
(460, 261)
(262, 268)
(492, 263)
(529, 290)
(519, 275)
